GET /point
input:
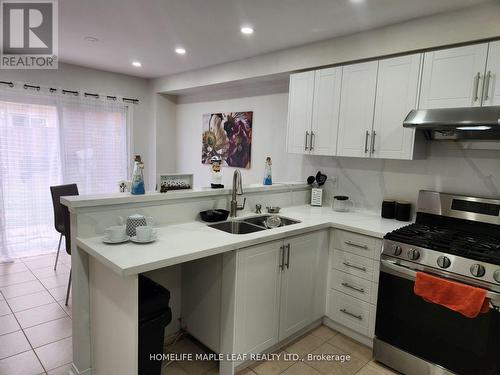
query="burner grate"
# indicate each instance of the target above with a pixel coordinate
(466, 244)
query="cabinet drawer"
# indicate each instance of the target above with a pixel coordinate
(349, 311)
(358, 244)
(352, 285)
(353, 264)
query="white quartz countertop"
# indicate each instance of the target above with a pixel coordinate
(189, 241)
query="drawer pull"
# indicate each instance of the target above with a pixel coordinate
(359, 317)
(350, 243)
(361, 268)
(346, 285)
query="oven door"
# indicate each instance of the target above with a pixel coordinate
(409, 330)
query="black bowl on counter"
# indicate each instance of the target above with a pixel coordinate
(211, 216)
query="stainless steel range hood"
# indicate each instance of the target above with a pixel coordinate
(471, 123)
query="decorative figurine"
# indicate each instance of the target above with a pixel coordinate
(138, 177)
(216, 162)
(123, 186)
(268, 178)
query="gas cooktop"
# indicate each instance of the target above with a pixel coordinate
(454, 235)
(451, 241)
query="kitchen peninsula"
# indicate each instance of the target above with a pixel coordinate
(105, 277)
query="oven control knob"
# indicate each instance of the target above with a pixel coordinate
(496, 276)
(443, 262)
(396, 250)
(413, 254)
(477, 270)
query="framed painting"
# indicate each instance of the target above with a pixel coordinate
(229, 136)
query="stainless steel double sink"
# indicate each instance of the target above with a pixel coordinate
(250, 225)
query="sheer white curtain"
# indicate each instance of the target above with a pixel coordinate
(50, 139)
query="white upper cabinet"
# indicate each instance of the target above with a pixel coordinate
(491, 89)
(397, 89)
(300, 105)
(453, 77)
(325, 118)
(359, 82)
(313, 109)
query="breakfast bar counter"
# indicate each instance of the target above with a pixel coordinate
(178, 243)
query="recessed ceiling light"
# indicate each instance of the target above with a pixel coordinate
(180, 51)
(137, 64)
(247, 30)
(92, 39)
(357, 1)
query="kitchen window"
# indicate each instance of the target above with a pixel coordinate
(52, 141)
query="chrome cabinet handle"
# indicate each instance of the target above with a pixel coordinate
(373, 141)
(282, 262)
(359, 317)
(287, 256)
(487, 85)
(350, 243)
(347, 264)
(313, 138)
(475, 96)
(346, 285)
(307, 138)
(366, 141)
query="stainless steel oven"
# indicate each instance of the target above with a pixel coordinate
(417, 337)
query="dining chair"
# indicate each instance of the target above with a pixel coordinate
(62, 221)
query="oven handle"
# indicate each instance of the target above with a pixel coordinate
(411, 275)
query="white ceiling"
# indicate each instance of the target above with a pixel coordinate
(149, 30)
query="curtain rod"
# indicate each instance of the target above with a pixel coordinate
(52, 90)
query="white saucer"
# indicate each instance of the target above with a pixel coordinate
(107, 240)
(152, 239)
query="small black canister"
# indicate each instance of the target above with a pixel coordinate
(388, 209)
(403, 211)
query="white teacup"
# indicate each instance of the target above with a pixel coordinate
(144, 233)
(115, 233)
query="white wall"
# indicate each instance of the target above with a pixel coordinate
(74, 77)
(447, 167)
(268, 138)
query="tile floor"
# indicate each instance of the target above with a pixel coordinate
(322, 340)
(35, 325)
(35, 332)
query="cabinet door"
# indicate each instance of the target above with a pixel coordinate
(491, 90)
(298, 282)
(300, 102)
(453, 77)
(257, 297)
(357, 102)
(325, 117)
(397, 89)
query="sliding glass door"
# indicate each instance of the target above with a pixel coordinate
(59, 142)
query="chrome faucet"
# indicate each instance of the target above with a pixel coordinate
(237, 190)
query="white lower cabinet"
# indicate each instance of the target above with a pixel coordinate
(349, 311)
(353, 281)
(257, 297)
(280, 289)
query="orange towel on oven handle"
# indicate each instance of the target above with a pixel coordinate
(464, 299)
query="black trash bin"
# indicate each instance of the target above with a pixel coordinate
(154, 316)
